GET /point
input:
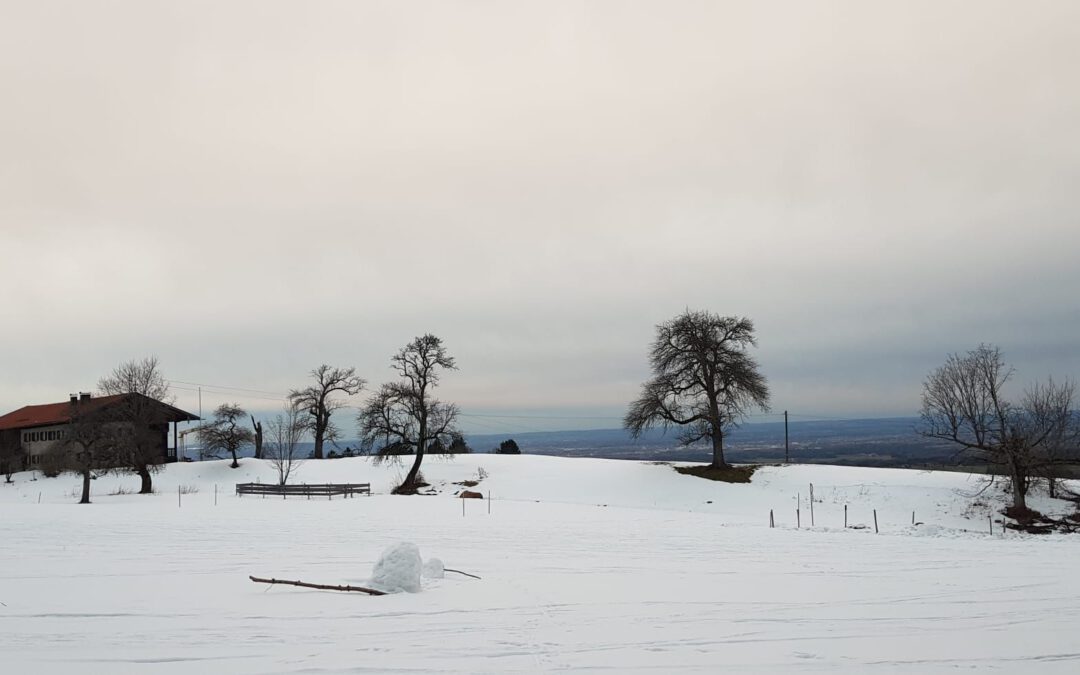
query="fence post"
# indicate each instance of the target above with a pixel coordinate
(489, 502)
(215, 494)
(845, 516)
(462, 508)
(991, 518)
(875, 521)
(772, 523)
(177, 496)
(912, 517)
(811, 504)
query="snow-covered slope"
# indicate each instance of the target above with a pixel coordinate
(587, 565)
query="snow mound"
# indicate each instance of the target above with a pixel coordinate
(928, 530)
(398, 569)
(434, 569)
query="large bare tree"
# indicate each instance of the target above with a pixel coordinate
(282, 449)
(964, 402)
(139, 451)
(319, 401)
(703, 379)
(404, 416)
(225, 433)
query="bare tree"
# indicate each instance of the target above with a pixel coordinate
(404, 416)
(283, 449)
(319, 402)
(91, 444)
(224, 433)
(140, 450)
(139, 377)
(703, 379)
(963, 402)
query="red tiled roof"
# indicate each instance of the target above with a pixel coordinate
(60, 413)
(49, 413)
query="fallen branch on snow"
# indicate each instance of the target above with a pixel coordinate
(322, 587)
(447, 569)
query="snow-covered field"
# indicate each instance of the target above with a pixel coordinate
(587, 565)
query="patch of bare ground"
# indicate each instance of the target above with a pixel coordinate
(723, 474)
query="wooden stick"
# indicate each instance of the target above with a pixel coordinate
(321, 587)
(447, 569)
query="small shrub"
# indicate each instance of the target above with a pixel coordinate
(120, 491)
(51, 464)
(508, 447)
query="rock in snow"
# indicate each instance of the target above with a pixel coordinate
(398, 569)
(433, 569)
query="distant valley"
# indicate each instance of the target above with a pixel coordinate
(862, 442)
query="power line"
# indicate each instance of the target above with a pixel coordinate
(227, 393)
(217, 386)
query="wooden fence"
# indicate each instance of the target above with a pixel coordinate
(327, 490)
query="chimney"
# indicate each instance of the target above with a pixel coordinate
(74, 398)
(84, 396)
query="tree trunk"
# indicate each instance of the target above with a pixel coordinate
(146, 486)
(318, 444)
(235, 464)
(258, 437)
(410, 480)
(85, 487)
(718, 451)
(1019, 487)
(421, 441)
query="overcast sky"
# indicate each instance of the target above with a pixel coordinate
(250, 189)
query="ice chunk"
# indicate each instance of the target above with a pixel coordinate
(398, 569)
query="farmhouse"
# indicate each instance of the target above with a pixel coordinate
(40, 429)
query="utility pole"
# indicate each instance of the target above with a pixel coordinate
(787, 449)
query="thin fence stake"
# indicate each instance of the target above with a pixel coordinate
(772, 523)
(912, 517)
(462, 508)
(215, 494)
(489, 502)
(39, 498)
(798, 519)
(845, 516)
(991, 518)
(811, 504)
(875, 521)
(177, 496)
